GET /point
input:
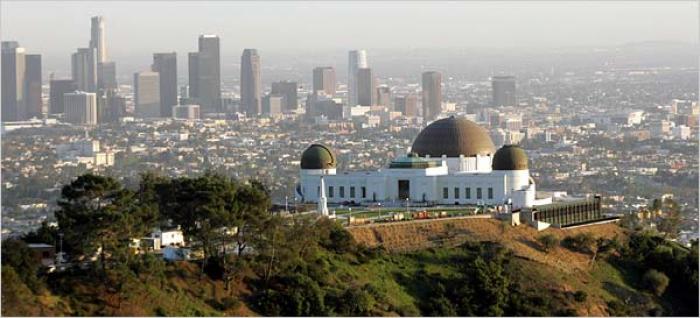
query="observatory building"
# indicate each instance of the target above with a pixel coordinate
(451, 162)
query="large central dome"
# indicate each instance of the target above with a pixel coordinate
(452, 137)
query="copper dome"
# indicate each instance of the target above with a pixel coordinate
(453, 136)
(510, 157)
(317, 157)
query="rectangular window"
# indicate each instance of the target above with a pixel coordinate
(352, 192)
(478, 193)
(468, 193)
(364, 192)
(330, 191)
(490, 193)
(445, 193)
(342, 191)
(456, 193)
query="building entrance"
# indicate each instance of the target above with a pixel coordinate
(404, 189)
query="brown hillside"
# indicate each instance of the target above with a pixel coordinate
(407, 236)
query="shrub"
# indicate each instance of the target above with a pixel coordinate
(228, 303)
(580, 296)
(160, 312)
(655, 281)
(548, 242)
(583, 242)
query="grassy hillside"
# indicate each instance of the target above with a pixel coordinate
(475, 277)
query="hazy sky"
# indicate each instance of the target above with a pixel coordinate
(59, 27)
(136, 29)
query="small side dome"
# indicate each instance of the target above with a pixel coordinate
(510, 157)
(318, 157)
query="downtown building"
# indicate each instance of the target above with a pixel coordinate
(80, 108)
(13, 82)
(503, 91)
(366, 87)
(147, 94)
(432, 95)
(356, 60)
(251, 85)
(289, 91)
(165, 64)
(21, 83)
(324, 80)
(205, 74)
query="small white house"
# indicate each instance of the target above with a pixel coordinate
(171, 237)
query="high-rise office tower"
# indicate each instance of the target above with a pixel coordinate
(57, 88)
(193, 75)
(32, 89)
(366, 87)
(503, 90)
(432, 95)
(356, 60)
(147, 94)
(107, 76)
(97, 38)
(209, 73)
(81, 108)
(250, 82)
(289, 91)
(116, 108)
(13, 81)
(407, 105)
(166, 66)
(324, 80)
(384, 96)
(84, 69)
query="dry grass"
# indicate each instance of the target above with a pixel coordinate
(407, 236)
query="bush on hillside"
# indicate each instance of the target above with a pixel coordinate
(548, 242)
(655, 281)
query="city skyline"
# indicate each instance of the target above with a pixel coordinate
(471, 25)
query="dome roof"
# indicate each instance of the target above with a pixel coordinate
(510, 157)
(318, 157)
(453, 136)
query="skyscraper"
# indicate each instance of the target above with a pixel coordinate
(289, 91)
(274, 104)
(57, 88)
(407, 105)
(250, 82)
(432, 94)
(13, 82)
(503, 90)
(34, 102)
(356, 60)
(97, 38)
(384, 96)
(324, 80)
(166, 66)
(209, 71)
(84, 69)
(366, 87)
(81, 108)
(116, 108)
(193, 75)
(107, 76)
(147, 94)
